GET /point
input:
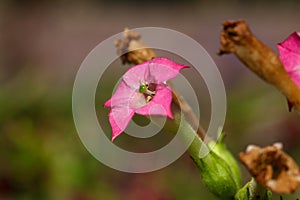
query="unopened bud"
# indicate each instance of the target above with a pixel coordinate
(220, 172)
(220, 149)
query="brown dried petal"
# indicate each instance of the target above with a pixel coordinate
(272, 168)
(233, 33)
(132, 49)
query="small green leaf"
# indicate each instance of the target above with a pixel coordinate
(252, 191)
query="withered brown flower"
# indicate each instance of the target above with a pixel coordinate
(132, 49)
(236, 37)
(272, 168)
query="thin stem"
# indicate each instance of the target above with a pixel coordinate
(188, 112)
(187, 132)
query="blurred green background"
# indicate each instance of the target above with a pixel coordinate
(42, 44)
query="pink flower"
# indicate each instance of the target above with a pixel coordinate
(143, 90)
(289, 51)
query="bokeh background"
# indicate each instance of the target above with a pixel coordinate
(42, 44)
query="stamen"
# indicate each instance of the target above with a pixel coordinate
(148, 98)
(149, 92)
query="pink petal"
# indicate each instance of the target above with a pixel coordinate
(119, 118)
(163, 69)
(121, 96)
(137, 100)
(160, 104)
(292, 43)
(289, 59)
(289, 51)
(295, 76)
(135, 75)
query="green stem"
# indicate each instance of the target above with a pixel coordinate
(220, 173)
(187, 134)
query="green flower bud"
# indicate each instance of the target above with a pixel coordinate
(253, 190)
(219, 170)
(220, 149)
(217, 176)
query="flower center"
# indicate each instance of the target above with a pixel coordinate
(148, 90)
